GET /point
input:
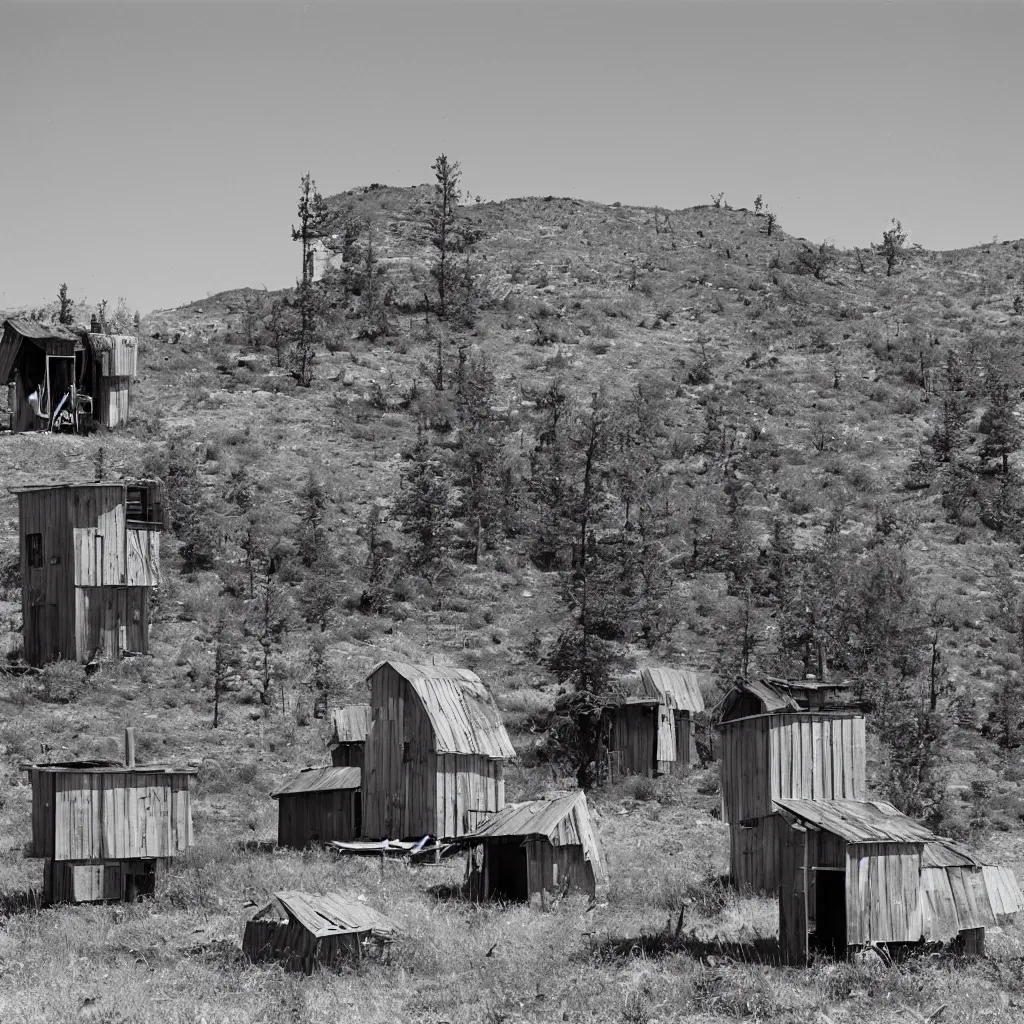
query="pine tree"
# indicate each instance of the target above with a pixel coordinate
(424, 506)
(308, 302)
(1000, 427)
(65, 314)
(445, 235)
(226, 657)
(313, 218)
(375, 296)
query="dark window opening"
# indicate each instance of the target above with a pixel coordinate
(143, 506)
(34, 543)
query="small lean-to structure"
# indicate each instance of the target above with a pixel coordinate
(66, 380)
(349, 727)
(435, 753)
(779, 742)
(534, 847)
(304, 930)
(650, 731)
(858, 872)
(90, 555)
(107, 829)
(319, 805)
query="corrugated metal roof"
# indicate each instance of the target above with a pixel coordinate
(351, 724)
(563, 820)
(679, 688)
(320, 780)
(462, 713)
(859, 821)
(322, 914)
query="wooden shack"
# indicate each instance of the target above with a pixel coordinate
(534, 847)
(435, 753)
(303, 931)
(106, 828)
(319, 805)
(90, 554)
(772, 748)
(650, 730)
(349, 727)
(65, 380)
(858, 872)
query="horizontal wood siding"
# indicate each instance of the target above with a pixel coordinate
(317, 817)
(883, 893)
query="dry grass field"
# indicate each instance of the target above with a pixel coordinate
(828, 388)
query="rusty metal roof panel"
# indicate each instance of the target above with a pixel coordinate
(858, 821)
(350, 724)
(679, 688)
(323, 914)
(320, 780)
(464, 717)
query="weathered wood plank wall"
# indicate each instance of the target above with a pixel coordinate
(319, 816)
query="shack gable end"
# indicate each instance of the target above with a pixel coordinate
(413, 785)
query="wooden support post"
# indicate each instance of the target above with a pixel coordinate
(129, 747)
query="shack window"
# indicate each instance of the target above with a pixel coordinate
(143, 505)
(34, 543)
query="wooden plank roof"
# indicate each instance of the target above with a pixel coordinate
(462, 714)
(1003, 890)
(320, 780)
(858, 821)
(679, 688)
(350, 724)
(38, 330)
(99, 767)
(562, 820)
(324, 914)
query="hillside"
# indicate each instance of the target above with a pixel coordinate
(789, 403)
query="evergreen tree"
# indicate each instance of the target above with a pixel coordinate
(313, 221)
(445, 237)
(226, 657)
(65, 315)
(375, 296)
(424, 505)
(1000, 427)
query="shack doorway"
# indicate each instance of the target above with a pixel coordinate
(506, 871)
(830, 918)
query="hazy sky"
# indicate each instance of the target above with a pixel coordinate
(153, 149)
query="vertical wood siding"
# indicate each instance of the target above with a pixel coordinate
(348, 755)
(798, 755)
(82, 816)
(793, 911)
(305, 818)
(633, 740)
(883, 893)
(753, 853)
(408, 788)
(91, 594)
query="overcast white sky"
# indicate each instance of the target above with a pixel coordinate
(153, 149)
